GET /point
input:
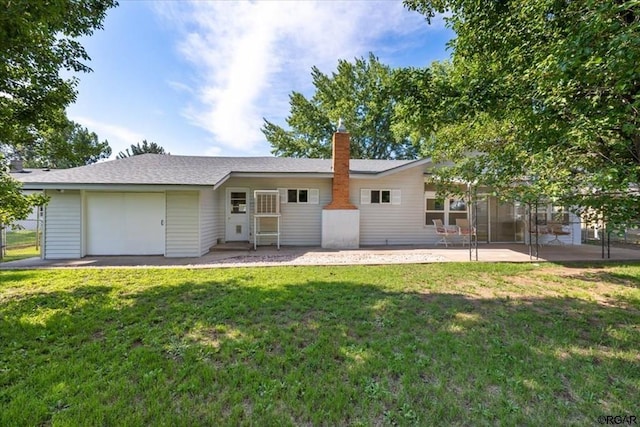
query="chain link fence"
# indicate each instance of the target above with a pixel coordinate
(595, 232)
(27, 235)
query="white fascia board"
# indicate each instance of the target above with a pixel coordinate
(326, 175)
(221, 181)
(397, 169)
(113, 187)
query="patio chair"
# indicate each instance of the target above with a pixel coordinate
(466, 231)
(557, 229)
(444, 232)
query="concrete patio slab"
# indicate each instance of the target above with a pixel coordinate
(270, 256)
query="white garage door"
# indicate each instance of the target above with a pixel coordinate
(125, 223)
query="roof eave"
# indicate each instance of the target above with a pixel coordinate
(111, 187)
(386, 172)
(322, 175)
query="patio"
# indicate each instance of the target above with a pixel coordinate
(238, 256)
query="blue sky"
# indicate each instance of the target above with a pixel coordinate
(198, 77)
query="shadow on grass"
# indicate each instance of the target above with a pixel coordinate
(321, 352)
(14, 278)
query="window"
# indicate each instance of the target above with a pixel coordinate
(297, 196)
(238, 202)
(300, 195)
(380, 197)
(434, 209)
(446, 210)
(559, 214)
(550, 213)
(457, 210)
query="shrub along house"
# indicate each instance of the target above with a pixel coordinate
(182, 206)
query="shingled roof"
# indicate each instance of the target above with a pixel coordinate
(163, 169)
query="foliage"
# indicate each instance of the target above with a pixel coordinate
(548, 93)
(363, 95)
(63, 146)
(460, 343)
(14, 206)
(137, 149)
(38, 43)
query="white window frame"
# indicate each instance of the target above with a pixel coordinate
(313, 196)
(395, 196)
(551, 213)
(446, 210)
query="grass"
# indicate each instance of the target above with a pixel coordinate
(449, 344)
(20, 238)
(15, 254)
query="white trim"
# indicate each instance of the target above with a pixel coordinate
(314, 196)
(227, 211)
(365, 196)
(283, 195)
(396, 197)
(445, 211)
(142, 188)
(375, 175)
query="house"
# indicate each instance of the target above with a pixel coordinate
(34, 221)
(182, 206)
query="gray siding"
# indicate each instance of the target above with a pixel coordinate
(183, 233)
(63, 225)
(387, 224)
(219, 212)
(300, 224)
(208, 226)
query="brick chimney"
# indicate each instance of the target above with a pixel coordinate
(340, 166)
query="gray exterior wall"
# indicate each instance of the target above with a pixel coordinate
(208, 221)
(389, 224)
(300, 224)
(63, 225)
(182, 224)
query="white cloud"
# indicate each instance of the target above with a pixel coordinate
(180, 87)
(249, 55)
(119, 137)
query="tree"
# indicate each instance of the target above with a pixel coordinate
(38, 40)
(62, 147)
(137, 149)
(548, 92)
(362, 94)
(14, 205)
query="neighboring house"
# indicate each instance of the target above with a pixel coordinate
(182, 206)
(34, 220)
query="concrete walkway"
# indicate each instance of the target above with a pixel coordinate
(269, 256)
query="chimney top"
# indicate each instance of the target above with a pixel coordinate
(341, 127)
(16, 165)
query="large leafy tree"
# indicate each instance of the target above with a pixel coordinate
(38, 39)
(362, 93)
(547, 91)
(66, 147)
(38, 42)
(137, 149)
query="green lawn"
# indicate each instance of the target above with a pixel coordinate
(435, 344)
(14, 254)
(21, 238)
